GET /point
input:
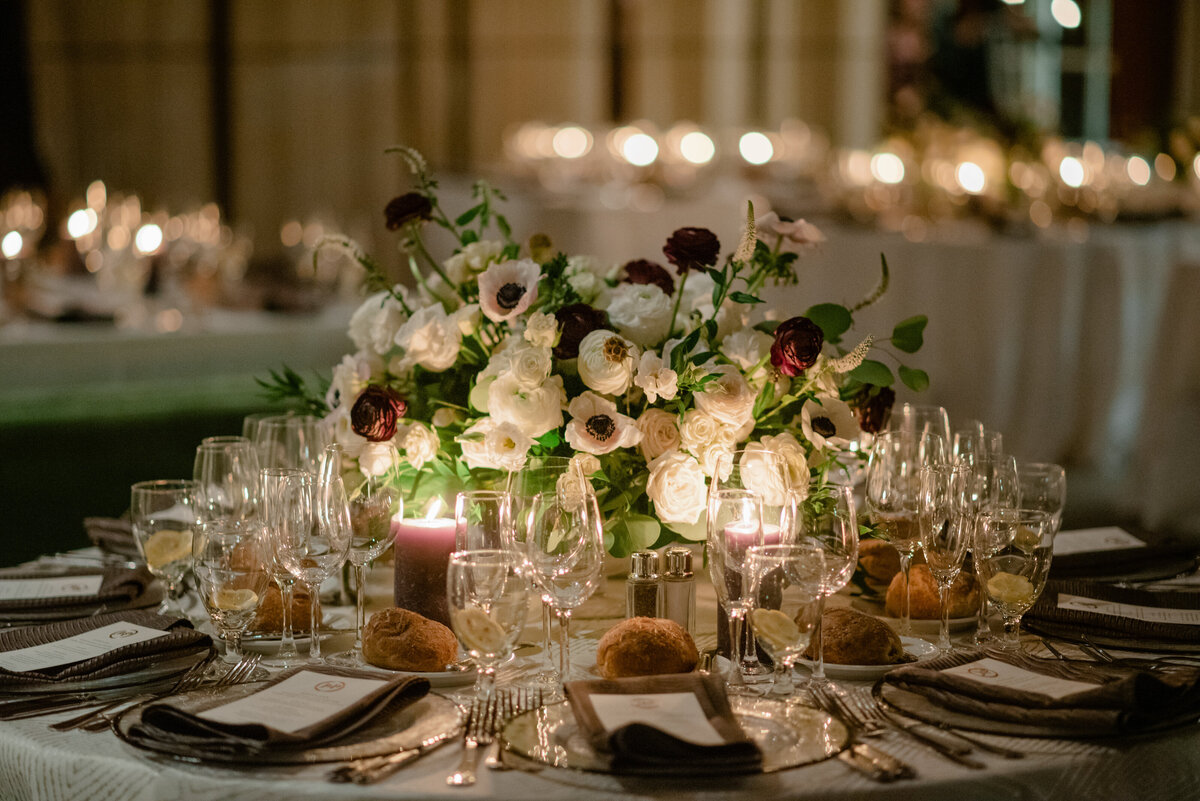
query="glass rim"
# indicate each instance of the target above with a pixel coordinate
(1046, 467)
(224, 439)
(282, 419)
(475, 553)
(165, 485)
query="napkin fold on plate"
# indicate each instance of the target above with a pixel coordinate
(181, 640)
(641, 745)
(1122, 699)
(117, 584)
(112, 534)
(170, 722)
(1049, 617)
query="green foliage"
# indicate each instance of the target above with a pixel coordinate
(832, 318)
(914, 379)
(286, 385)
(908, 335)
(873, 372)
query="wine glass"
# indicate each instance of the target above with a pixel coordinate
(827, 519)
(946, 515)
(1043, 486)
(483, 520)
(784, 586)
(374, 504)
(312, 538)
(270, 481)
(892, 494)
(164, 516)
(226, 468)
(290, 440)
(564, 551)
(230, 560)
(486, 590)
(916, 419)
(735, 524)
(250, 422)
(995, 489)
(1014, 573)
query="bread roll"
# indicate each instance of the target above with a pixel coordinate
(854, 638)
(645, 646)
(964, 595)
(400, 639)
(270, 613)
(880, 561)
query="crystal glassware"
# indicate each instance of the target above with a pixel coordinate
(271, 514)
(483, 519)
(784, 585)
(946, 515)
(164, 517)
(916, 419)
(226, 468)
(734, 526)
(1015, 573)
(827, 518)
(1043, 486)
(995, 490)
(230, 561)
(290, 440)
(487, 593)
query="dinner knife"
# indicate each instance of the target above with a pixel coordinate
(371, 770)
(878, 765)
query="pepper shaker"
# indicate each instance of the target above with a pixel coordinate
(679, 588)
(643, 590)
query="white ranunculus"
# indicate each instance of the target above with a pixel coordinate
(764, 472)
(351, 376)
(490, 444)
(467, 318)
(698, 430)
(597, 427)
(535, 411)
(641, 312)
(715, 457)
(606, 362)
(472, 259)
(541, 330)
(747, 347)
(828, 422)
(586, 463)
(377, 458)
(374, 324)
(430, 338)
(659, 433)
(655, 378)
(676, 485)
(794, 458)
(730, 399)
(586, 275)
(508, 288)
(529, 365)
(420, 445)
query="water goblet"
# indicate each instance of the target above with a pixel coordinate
(827, 518)
(483, 519)
(917, 419)
(946, 515)
(486, 590)
(230, 561)
(1014, 574)
(290, 440)
(164, 516)
(734, 526)
(784, 585)
(226, 468)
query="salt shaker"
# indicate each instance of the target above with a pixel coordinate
(643, 590)
(679, 588)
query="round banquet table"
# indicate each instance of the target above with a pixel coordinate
(37, 763)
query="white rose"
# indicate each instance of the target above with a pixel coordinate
(586, 463)
(493, 445)
(641, 312)
(794, 458)
(606, 362)
(715, 456)
(699, 429)
(474, 258)
(467, 319)
(655, 378)
(529, 365)
(374, 324)
(420, 445)
(676, 485)
(542, 330)
(430, 338)
(747, 347)
(535, 411)
(764, 472)
(377, 458)
(730, 399)
(659, 433)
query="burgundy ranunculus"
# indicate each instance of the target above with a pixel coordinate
(797, 345)
(407, 208)
(692, 248)
(647, 272)
(577, 321)
(874, 409)
(376, 412)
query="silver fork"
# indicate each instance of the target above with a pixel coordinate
(477, 725)
(873, 719)
(874, 762)
(513, 703)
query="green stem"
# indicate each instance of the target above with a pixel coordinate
(678, 299)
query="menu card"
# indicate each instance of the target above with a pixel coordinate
(77, 648)
(677, 714)
(1148, 614)
(1003, 674)
(1094, 540)
(296, 702)
(57, 587)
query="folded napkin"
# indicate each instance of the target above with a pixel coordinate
(1142, 614)
(302, 707)
(117, 585)
(1166, 551)
(112, 534)
(646, 733)
(179, 641)
(1096, 699)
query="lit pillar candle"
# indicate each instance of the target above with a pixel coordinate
(423, 548)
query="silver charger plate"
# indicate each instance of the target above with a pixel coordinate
(789, 735)
(389, 732)
(15, 618)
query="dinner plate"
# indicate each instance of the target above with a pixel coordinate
(442, 678)
(914, 646)
(268, 644)
(388, 733)
(919, 626)
(789, 735)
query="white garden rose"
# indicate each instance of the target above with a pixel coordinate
(541, 330)
(659, 433)
(374, 324)
(730, 399)
(472, 259)
(489, 444)
(529, 365)
(431, 339)
(420, 445)
(676, 486)
(747, 347)
(764, 472)
(827, 422)
(377, 458)
(606, 362)
(586, 463)
(698, 430)
(715, 457)
(655, 378)
(597, 427)
(535, 411)
(795, 460)
(641, 312)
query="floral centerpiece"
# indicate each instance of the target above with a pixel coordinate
(645, 373)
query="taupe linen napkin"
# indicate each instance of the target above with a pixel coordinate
(111, 534)
(641, 746)
(1125, 699)
(180, 641)
(165, 722)
(118, 584)
(1046, 617)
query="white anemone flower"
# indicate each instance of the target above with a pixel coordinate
(508, 288)
(597, 427)
(828, 422)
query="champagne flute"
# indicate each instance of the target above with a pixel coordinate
(226, 468)
(271, 480)
(784, 586)
(892, 495)
(290, 440)
(486, 590)
(1043, 486)
(734, 526)
(164, 516)
(827, 519)
(483, 519)
(994, 490)
(946, 518)
(1015, 573)
(230, 563)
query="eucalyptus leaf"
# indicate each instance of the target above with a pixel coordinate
(908, 335)
(914, 379)
(873, 372)
(833, 319)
